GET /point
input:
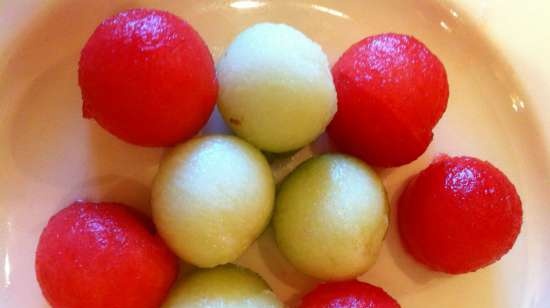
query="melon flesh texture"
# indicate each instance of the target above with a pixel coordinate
(276, 88)
(227, 286)
(459, 214)
(392, 91)
(331, 216)
(348, 294)
(97, 255)
(148, 78)
(211, 198)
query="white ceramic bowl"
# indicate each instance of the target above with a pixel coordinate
(496, 56)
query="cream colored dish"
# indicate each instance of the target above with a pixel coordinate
(495, 53)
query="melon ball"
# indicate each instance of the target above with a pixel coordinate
(458, 215)
(392, 91)
(147, 77)
(211, 198)
(348, 294)
(97, 255)
(331, 216)
(276, 89)
(225, 286)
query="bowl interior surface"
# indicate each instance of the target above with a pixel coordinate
(51, 156)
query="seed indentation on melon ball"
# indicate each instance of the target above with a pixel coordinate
(211, 199)
(331, 216)
(276, 89)
(227, 286)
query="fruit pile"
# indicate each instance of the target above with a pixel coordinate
(147, 77)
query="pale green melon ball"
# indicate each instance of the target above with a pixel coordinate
(211, 198)
(331, 216)
(276, 89)
(226, 286)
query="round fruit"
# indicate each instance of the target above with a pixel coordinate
(103, 255)
(392, 91)
(276, 90)
(147, 77)
(458, 215)
(345, 294)
(330, 218)
(212, 197)
(227, 286)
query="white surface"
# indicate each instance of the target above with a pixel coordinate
(50, 156)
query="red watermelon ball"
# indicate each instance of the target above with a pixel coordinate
(391, 93)
(97, 255)
(459, 215)
(346, 294)
(147, 77)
